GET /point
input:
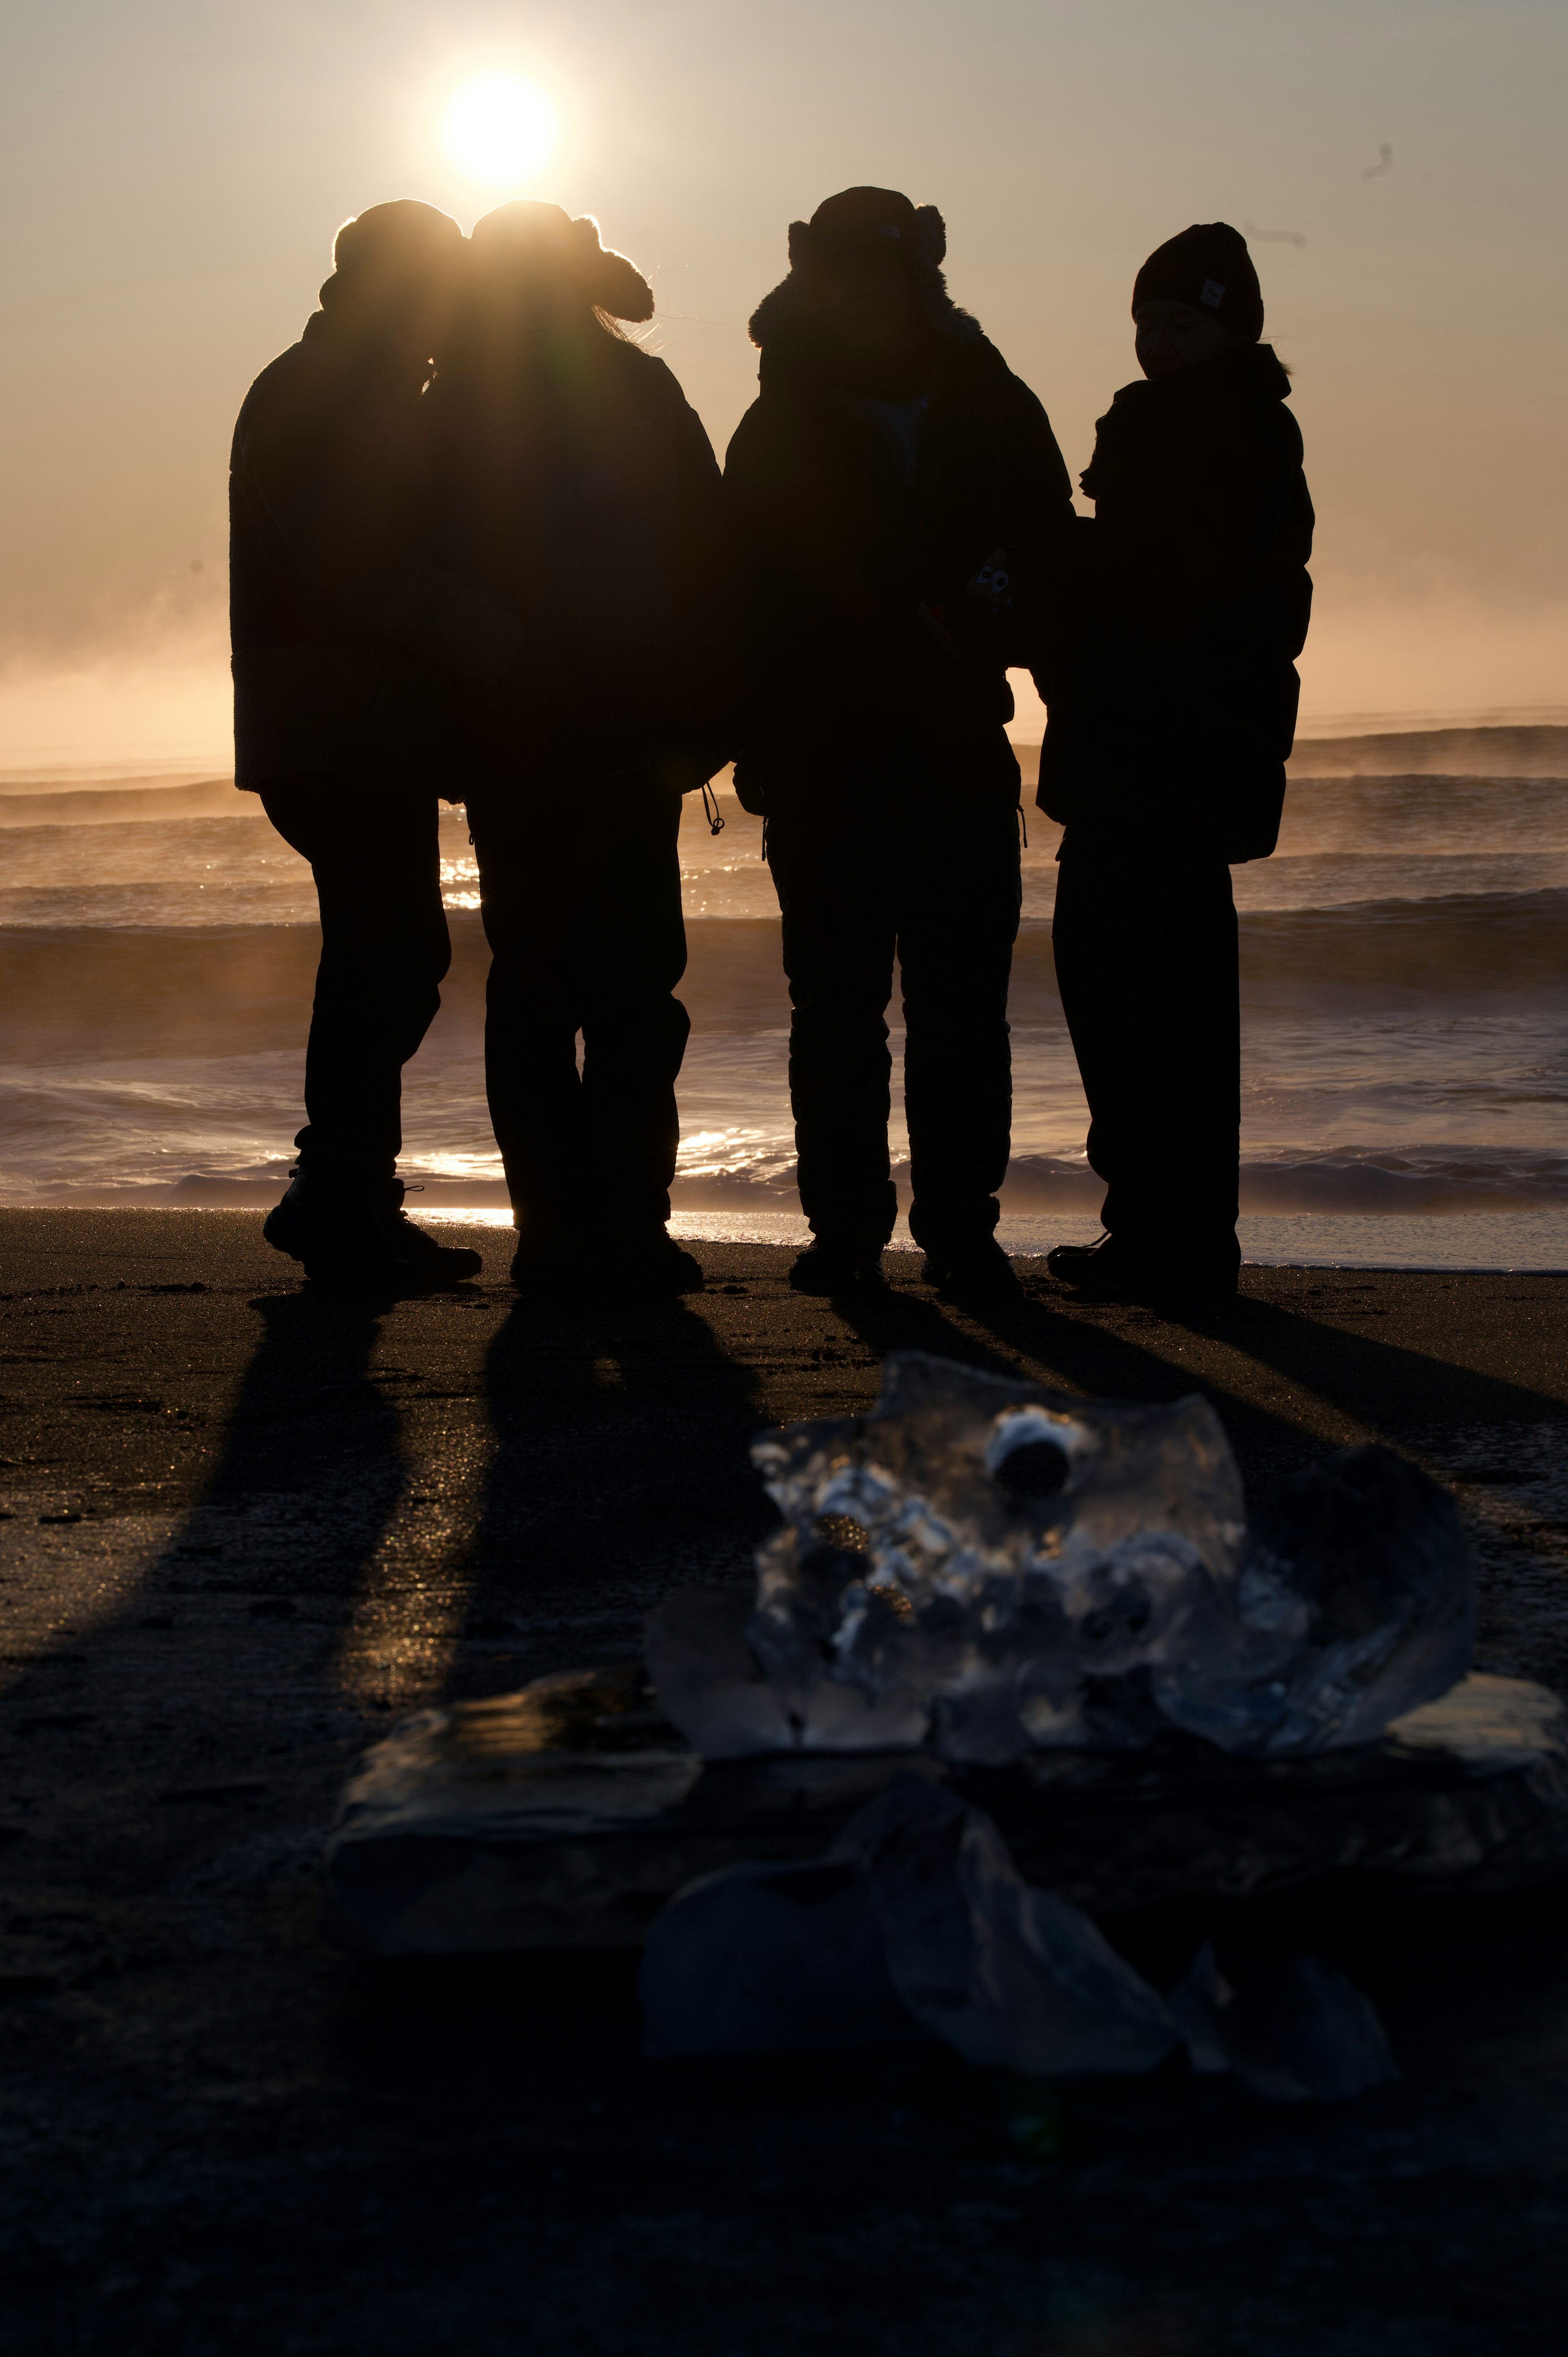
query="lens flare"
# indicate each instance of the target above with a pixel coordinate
(500, 130)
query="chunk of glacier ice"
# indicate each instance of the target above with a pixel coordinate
(1298, 2031)
(1016, 1559)
(1006, 1974)
(916, 1921)
(1356, 1603)
(992, 1567)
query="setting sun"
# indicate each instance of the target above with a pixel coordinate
(500, 130)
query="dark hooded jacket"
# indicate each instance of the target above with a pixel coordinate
(834, 556)
(576, 487)
(347, 641)
(1173, 702)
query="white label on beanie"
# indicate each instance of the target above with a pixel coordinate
(1213, 294)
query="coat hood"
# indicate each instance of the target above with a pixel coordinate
(780, 316)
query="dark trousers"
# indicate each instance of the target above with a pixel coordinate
(930, 877)
(375, 853)
(1146, 964)
(580, 891)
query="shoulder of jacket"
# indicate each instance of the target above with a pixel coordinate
(1268, 429)
(653, 376)
(1283, 428)
(752, 430)
(976, 356)
(978, 376)
(298, 377)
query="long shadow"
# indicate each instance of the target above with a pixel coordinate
(1390, 1389)
(216, 1695)
(312, 1464)
(1066, 1352)
(1390, 1385)
(619, 1468)
(1021, 1337)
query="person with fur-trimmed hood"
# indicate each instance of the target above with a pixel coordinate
(1171, 722)
(575, 487)
(890, 476)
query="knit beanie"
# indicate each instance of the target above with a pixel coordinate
(870, 220)
(1209, 267)
(539, 241)
(398, 242)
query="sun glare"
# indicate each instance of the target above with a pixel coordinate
(500, 130)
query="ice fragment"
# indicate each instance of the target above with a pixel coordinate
(915, 1922)
(1356, 1603)
(758, 1958)
(1008, 1975)
(1010, 1560)
(1299, 2033)
(996, 1568)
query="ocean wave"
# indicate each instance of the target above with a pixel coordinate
(1527, 749)
(129, 805)
(1371, 1185)
(1369, 1182)
(72, 989)
(1451, 946)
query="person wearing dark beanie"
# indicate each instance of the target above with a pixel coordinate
(1208, 271)
(1172, 701)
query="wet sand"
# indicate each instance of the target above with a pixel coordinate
(246, 1527)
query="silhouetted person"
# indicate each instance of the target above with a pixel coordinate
(347, 641)
(578, 488)
(889, 454)
(1170, 725)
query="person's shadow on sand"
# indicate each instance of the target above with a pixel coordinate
(1013, 1336)
(619, 1468)
(1230, 1353)
(1404, 1396)
(312, 1467)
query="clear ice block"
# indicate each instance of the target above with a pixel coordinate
(1298, 2032)
(993, 1567)
(916, 1922)
(1007, 1975)
(1011, 1564)
(1356, 1603)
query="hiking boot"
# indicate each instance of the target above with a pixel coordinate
(828, 1269)
(552, 1264)
(978, 1270)
(358, 1234)
(1109, 1271)
(655, 1263)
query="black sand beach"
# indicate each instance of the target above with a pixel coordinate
(246, 1527)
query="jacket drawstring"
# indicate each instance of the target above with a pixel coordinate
(711, 810)
(1023, 828)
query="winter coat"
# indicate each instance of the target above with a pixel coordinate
(575, 486)
(833, 557)
(346, 640)
(1172, 715)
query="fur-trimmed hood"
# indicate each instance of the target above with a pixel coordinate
(921, 240)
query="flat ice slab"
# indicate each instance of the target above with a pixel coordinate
(568, 1813)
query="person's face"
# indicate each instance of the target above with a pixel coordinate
(407, 312)
(867, 305)
(431, 307)
(1172, 336)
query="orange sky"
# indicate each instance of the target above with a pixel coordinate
(171, 176)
